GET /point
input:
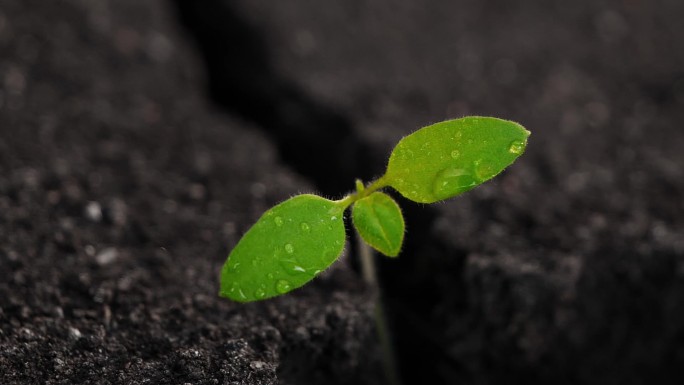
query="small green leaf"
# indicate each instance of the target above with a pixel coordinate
(449, 158)
(378, 220)
(289, 245)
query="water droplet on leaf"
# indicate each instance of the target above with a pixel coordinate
(452, 181)
(305, 227)
(292, 267)
(483, 170)
(278, 221)
(283, 286)
(289, 248)
(235, 287)
(455, 154)
(517, 147)
(260, 293)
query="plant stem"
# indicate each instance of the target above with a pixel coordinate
(367, 263)
(355, 196)
(370, 277)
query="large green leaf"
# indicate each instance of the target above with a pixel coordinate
(449, 158)
(284, 249)
(378, 220)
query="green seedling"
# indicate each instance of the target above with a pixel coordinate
(299, 238)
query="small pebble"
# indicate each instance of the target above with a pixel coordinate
(93, 211)
(74, 333)
(106, 256)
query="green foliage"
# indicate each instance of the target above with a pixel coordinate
(449, 158)
(297, 239)
(286, 248)
(378, 220)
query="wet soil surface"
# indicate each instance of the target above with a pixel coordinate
(139, 140)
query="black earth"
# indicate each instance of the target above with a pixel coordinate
(140, 139)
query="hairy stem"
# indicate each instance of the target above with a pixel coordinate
(355, 196)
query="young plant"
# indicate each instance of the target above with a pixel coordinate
(297, 239)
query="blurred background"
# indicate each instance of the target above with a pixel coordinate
(139, 140)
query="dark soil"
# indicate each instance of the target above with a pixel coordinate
(120, 194)
(139, 140)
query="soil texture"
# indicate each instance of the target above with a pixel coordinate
(139, 140)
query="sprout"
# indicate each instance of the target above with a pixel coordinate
(297, 239)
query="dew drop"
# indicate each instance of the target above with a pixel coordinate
(292, 267)
(333, 218)
(517, 147)
(235, 267)
(235, 287)
(283, 286)
(260, 293)
(483, 170)
(455, 154)
(305, 227)
(452, 181)
(270, 275)
(289, 248)
(278, 221)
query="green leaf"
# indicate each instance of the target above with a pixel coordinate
(289, 245)
(449, 158)
(378, 220)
